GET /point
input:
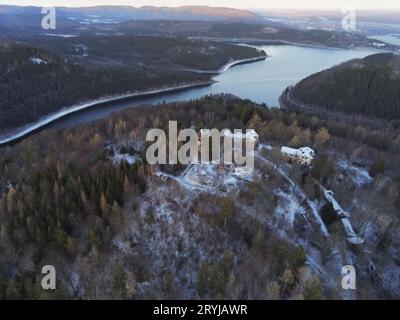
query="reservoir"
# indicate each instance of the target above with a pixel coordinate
(393, 38)
(262, 81)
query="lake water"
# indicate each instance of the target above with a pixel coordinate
(261, 82)
(388, 38)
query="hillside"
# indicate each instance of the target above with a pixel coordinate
(18, 16)
(154, 52)
(35, 82)
(24, 24)
(85, 200)
(265, 32)
(368, 87)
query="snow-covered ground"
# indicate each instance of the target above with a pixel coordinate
(61, 35)
(233, 63)
(177, 240)
(265, 146)
(359, 176)
(37, 60)
(288, 207)
(212, 178)
(343, 216)
(118, 158)
(292, 209)
(313, 206)
(226, 66)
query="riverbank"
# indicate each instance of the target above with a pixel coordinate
(21, 133)
(227, 66)
(277, 42)
(24, 132)
(262, 82)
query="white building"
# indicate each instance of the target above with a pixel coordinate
(378, 45)
(303, 156)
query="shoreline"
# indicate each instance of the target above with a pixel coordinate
(227, 66)
(234, 63)
(20, 133)
(266, 42)
(23, 132)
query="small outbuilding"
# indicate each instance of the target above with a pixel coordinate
(302, 156)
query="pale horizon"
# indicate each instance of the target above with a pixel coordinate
(315, 5)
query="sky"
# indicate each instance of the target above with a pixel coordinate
(245, 4)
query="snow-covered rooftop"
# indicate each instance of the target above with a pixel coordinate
(37, 60)
(289, 151)
(250, 134)
(304, 152)
(308, 152)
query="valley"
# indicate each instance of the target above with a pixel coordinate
(319, 192)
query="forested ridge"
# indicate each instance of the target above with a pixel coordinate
(369, 87)
(69, 201)
(65, 201)
(239, 30)
(30, 90)
(148, 51)
(36, 82)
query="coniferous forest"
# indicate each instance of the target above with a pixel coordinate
(112, 228)
(37, 82)
(369, 87)
(316, 204)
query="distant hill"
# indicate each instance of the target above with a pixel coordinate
(369, 87)
(177, 13)
(26, 16)
(24, 24)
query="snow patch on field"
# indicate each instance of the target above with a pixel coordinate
(217, 177)
(211, 178)
(288, 207)
(359, 176)
(61, 35)
(36, 60)
(118, 158)
(265, 146)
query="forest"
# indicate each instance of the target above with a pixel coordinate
(368, 87)
(36, 82)
(249, 31)
(66, 202)
(151, 52)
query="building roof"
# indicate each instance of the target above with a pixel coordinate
(304, 152)
(250, 134)
(308, 152)
(290, 151)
